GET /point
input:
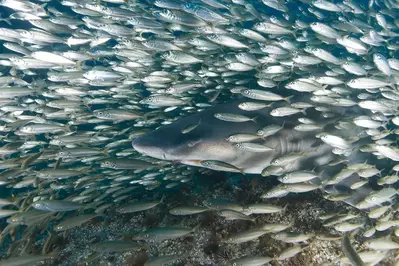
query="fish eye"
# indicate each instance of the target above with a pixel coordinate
(373, 198)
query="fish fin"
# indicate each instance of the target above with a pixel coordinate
(255, 119)
(285, 208)
(58, 163)
(79, 65)
(196, 227)
(106, 152)
(70, 128)
(6, 20)
(287, 99)
(162, 199)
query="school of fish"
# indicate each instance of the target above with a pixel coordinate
(110, 108)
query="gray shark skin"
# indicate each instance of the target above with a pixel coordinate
(208, 142)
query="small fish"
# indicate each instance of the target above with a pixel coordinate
(163, 233)
(297, 177)
(72, 222)
(244, 236)
(288, 158)
(263, 95)
(234, 215)
(56, 205)
(252, 147)
(285, 111)
(261, 208)
(383, 243)
(335, 141)
(190, 128)
(241, 137)
(269, 130)
(220, 166)
(290, 252)
(137, 207)
(252, 106)
(230, 117)
(188, 210)
(351, 253)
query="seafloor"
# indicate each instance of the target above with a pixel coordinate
(204, 246)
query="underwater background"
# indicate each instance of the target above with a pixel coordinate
(81, 80)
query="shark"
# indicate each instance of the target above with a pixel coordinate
(208, 140)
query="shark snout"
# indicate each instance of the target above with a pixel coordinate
(148, 145)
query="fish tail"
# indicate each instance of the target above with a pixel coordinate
(242, 171)
(256, 119)
(70, 128)
(6, 20)
(288, 99)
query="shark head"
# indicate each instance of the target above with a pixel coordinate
(205, 142)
